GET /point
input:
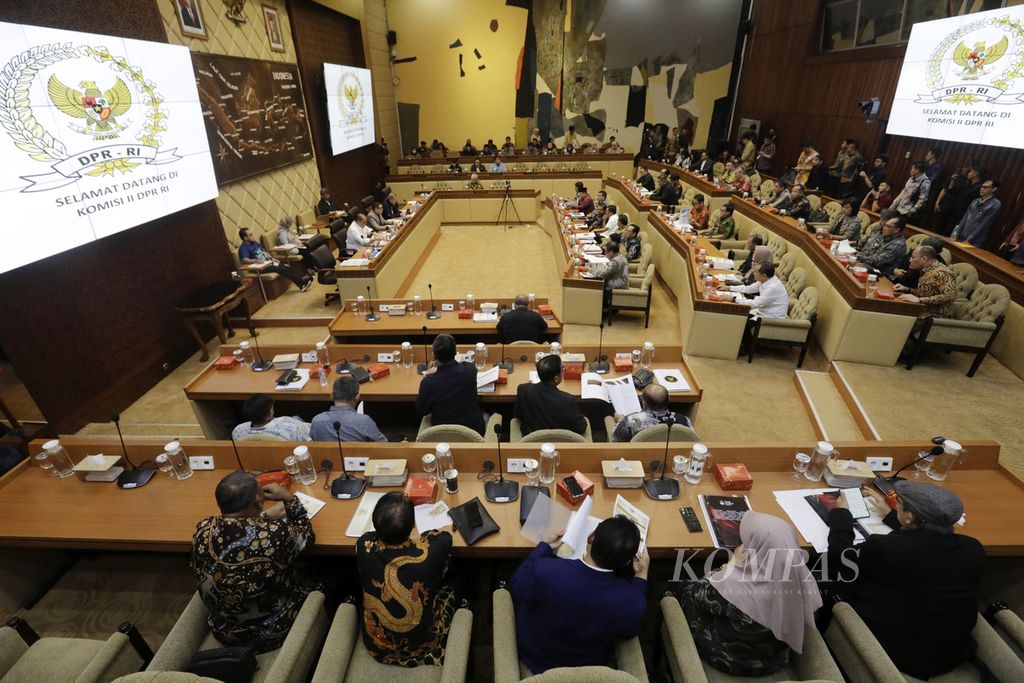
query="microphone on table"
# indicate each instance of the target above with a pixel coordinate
(132, 477)
(887, 484)
(501, 491)
(662, 488)
(231, 435)
(345, 486)
(433, 315)
(506, 364)
(371, 315)
(261, 365)
(421, 368)
(600, 366)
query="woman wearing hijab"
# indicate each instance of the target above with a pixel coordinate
(286, 234)
(761, 256)
(748, 616)
(917, 587)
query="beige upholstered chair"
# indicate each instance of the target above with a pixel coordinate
(291, 662)
(966, 279)
(432, 433)
(643, 237)
(646, 256)
(637, 297)
(164, 677)
(718, 168)
(915, 240)
(1010, 628)
(864, 661)
(345, 658)
(813, 664)
(794, 330)
(815, 201)
(795, 282)
(262, 436)
(766, 189)
(546, 435)
(973, 326)
(25, 657)
(864, 219)
(755, 181)
(784, 266)
(629, 659)
(686, 201)
(778, 247)
(869, 228)
(655, 433)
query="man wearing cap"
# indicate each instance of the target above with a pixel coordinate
(915, 588)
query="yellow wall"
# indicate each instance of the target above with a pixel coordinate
(710, 86)
(259, 201)
(479, 106)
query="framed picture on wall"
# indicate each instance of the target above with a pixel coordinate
(273, 23)
(190, 18)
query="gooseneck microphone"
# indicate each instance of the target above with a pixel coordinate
(433, 315)
(345, 486)
(371, 314)
(662, 488)
(501, 491)
(600, 366)
(261, 365)
(133, 477)
(231, 435)
(421, 368)
(506, 364)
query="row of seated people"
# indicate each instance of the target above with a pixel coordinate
(448, 394)
(916, 588)
(572, 143)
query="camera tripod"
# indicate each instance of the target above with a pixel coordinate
(506, 202)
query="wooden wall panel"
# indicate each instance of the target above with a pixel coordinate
(323, 35)
(89, 330)
(805, 95)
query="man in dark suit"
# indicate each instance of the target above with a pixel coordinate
(646, 180)
(544, 405)
(448, 390)
(705, 166)
(917, 587)
(669, 194)
(522, 324)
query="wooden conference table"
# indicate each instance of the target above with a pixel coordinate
(216, 395)
(55, 513)
(348, 327)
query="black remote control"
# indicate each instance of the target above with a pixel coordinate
(690, 519)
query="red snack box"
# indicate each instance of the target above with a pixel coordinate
(378, 370)
(572, 370)
(888, 296)
(420, 490)
(733, 477)
(544, 309)
(585, 484)
(502, 377)
(623, 364)
(226, 363)
(465, 313)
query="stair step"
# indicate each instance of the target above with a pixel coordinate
(831, 416)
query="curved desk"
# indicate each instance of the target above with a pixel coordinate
(66, 513)
(622, 164)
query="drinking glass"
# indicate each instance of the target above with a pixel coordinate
(923, 464)
(163, 463)
(291, 466)
(532, 468)
(429, 465)
(462, 304)
(355, 308)
(636, 357)
(800, 461)
(45, 465)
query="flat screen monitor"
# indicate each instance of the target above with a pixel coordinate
(349, 107)
(98, 134)
(962, 80)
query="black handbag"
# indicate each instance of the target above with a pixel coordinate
(471, 534)
(642, 378)
(227, 664)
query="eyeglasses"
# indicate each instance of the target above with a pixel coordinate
(987, 187)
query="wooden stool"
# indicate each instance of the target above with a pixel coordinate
(212, 304)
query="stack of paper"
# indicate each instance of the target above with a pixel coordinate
(355, 263)
(548, 517)
(485, 380)
(432, 516)
(813, 528)
(721, 263)
(634, 514)
(311, 504)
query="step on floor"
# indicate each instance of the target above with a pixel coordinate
(830, 414)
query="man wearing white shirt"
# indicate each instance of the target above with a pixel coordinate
(772, 300)
(613, 217)
(358, 234)
(497, 166)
